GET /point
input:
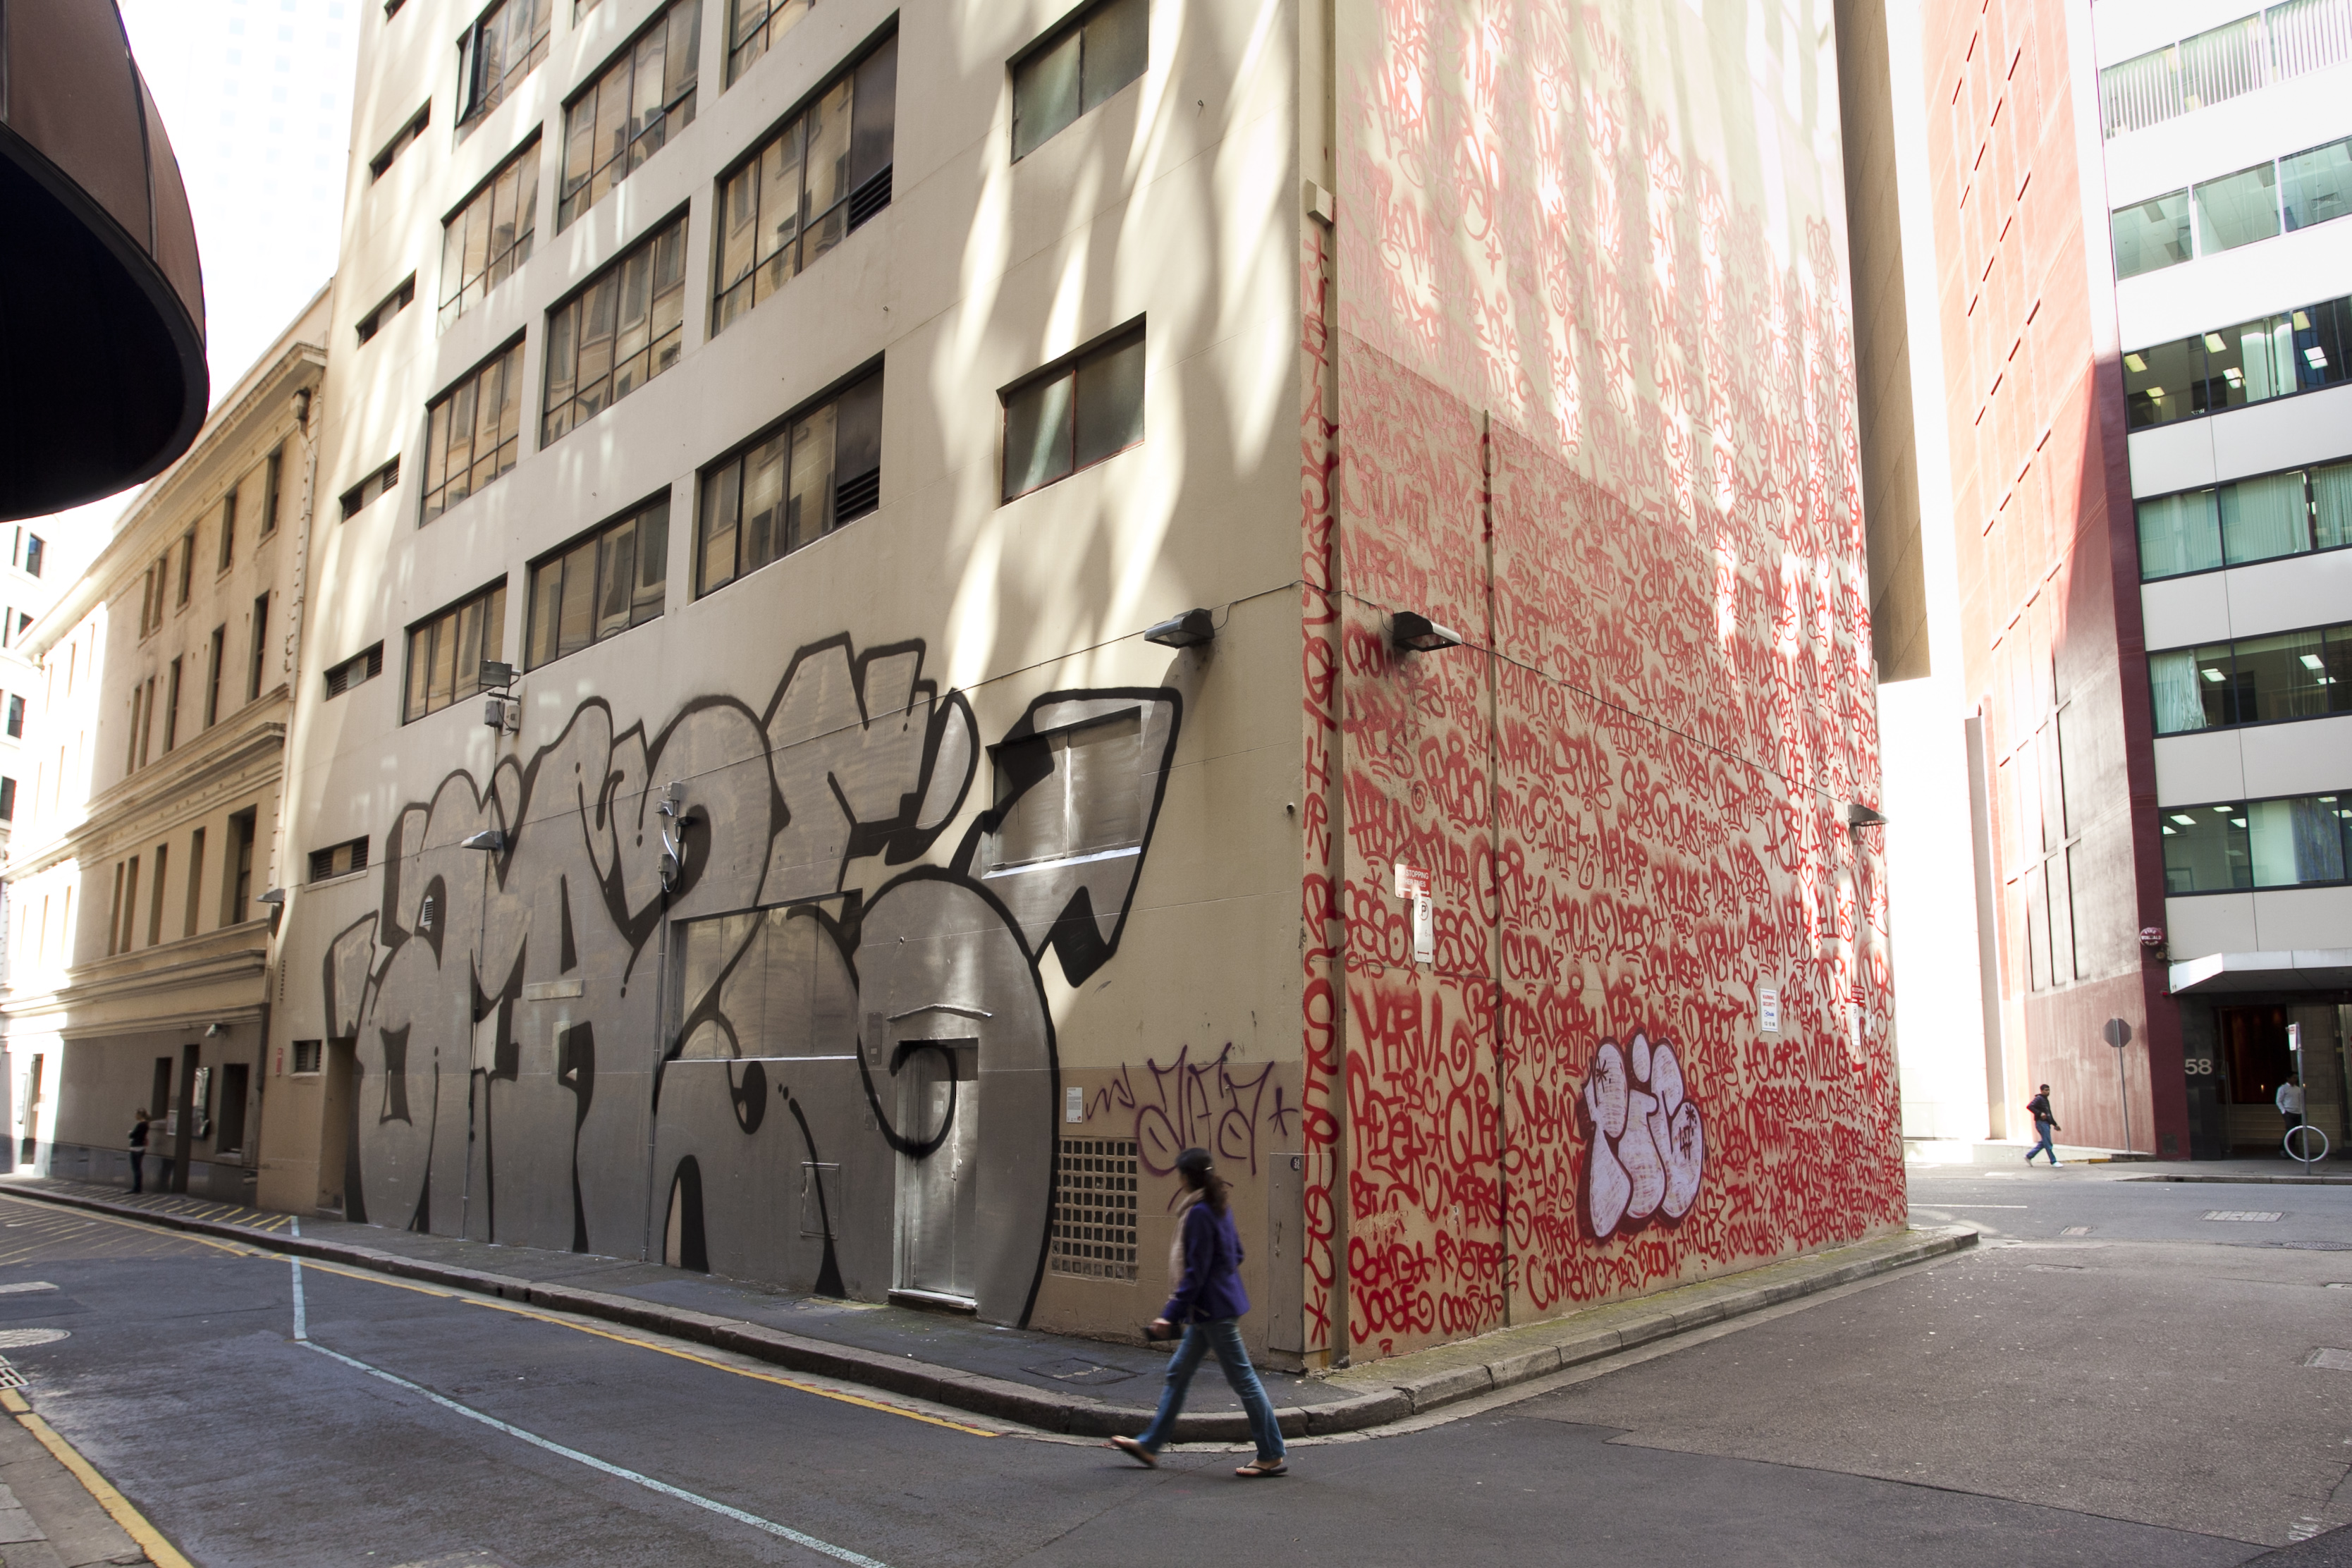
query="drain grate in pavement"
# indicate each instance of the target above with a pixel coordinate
(2254, 1216)
(9, 1377)
(2335, 1360)
(1074, 1369)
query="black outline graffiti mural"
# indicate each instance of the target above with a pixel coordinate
(533, 1067)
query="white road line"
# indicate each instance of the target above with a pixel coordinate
(301, 1317)
(785, 1532)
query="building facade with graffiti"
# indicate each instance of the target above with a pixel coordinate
(945, 603)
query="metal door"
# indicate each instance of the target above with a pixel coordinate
(938, 1176)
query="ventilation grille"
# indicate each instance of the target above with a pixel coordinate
(1094, 1216)
(869, 198)
(857, 497)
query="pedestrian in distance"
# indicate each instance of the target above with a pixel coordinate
(139, 1125)
(1206, 1307)
(2045, 1124)
(2289, 1100)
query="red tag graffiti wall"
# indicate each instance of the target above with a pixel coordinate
(1578, 362)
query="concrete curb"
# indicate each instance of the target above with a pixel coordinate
(2255, 1180)
(1381, 1400)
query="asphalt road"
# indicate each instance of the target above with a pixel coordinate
(2137, 1394)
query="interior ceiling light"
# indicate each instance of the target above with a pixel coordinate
(1416, 633)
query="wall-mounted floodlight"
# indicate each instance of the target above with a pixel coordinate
(1416, 633)
(214, 1031)
(1860, 815)
(275, 896)
(1190, 629)
(490, 838)
(497, 675)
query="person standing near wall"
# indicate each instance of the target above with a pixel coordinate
(2289, 1100)
(2045, 1124)
(1209, 1302)
(139, 1125)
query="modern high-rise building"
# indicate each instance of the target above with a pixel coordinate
(928, 604)
(2144, 331)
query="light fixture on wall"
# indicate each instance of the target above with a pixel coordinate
(1190, 629)
(490, 838)
(427, 913)
(1860, 815)
(1416, 633)
(275, 896)
(214, 1031)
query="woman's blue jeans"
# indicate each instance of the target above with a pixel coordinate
(1224, 1337)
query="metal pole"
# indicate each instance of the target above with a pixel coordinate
(2123, 1092)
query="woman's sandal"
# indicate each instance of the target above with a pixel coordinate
(1256, 1468)
(1136, 1451)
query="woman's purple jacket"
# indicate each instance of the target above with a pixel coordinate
(1212, 1286)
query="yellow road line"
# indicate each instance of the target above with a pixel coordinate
(229, 1246)
(150, 1540)
(654, 1345)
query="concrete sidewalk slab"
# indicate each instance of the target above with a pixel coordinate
(1014, 1375)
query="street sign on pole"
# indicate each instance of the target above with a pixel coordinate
(2118, 1034)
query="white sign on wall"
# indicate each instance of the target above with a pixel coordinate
(1424, 930)
(1073, 1104)
(1767, 1010)
(1412, 881)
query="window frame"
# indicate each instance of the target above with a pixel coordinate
(496, 269)
(676, 113)
(631, 516)
(860, 202)
(339, 678)
(1100, 347)
(385, 478)
(734, 40)
(474, 103)
(648, 243)
(1046, 42)
(496, 588)
(386, 310)
(833, 393)
(2341, 800)
(470, 379)
(354, 850)
(402, 140)
(2320, 632)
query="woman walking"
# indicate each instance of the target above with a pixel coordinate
(1208, 1304)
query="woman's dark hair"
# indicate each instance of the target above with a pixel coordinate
(1199, 1173)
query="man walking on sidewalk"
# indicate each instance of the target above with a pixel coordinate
(2289, 1100)
(2045, 1124)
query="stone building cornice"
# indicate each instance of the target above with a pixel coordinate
(220, 976)
(177, 787)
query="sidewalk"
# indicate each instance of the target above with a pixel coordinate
(1055, 1382)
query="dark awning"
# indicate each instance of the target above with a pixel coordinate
(103, 378)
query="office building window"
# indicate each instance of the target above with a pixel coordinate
(402, 140)
(227, 533)
(155, 894)
(485, 240)
(1076, 68)
(2316, 185)
(639, 101)
(2253, 680)
(216, 652)
(2234, 845)
(236, 875)
(257, 667)
(2258, 518)
(1073, 414)
(33, 550)
(505, 45)
(806, 476)
(2152, 234)
(801, 192)
(621, 330)
(753, 28)
(474, 432)
(187, 566)
(370, 489)
(273, 473)
(2237, 209)
(2270, 356)
(355, 671)
(391, 305)
(17, 711)
(170, 706)
(7, 800)
(196, 883)
(446, 652)
(338, 859)
(599, 586)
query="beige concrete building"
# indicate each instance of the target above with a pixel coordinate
(147, 835)
(933, 603)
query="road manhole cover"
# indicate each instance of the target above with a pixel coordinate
(1074, 1369)
(2335, 1360)
(2248, 1216)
